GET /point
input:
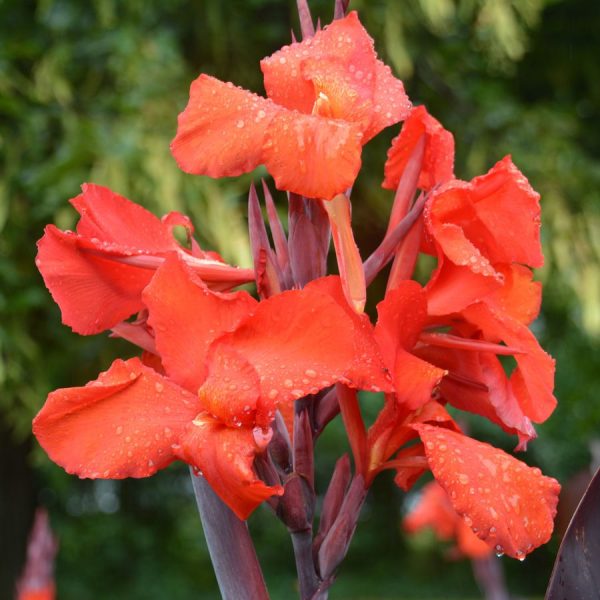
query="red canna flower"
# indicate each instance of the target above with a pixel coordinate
(478, 228)
(37, 580)
(96, 274)
(434, 510)
(506, 503)
(327, 96)
(229, 363)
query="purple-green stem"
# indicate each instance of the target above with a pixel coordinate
(230, 546)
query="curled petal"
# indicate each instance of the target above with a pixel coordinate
(121, 425)
(122, 225)
(186, 317)
(221, 130)
(532, 380)
(493, 219)
(438, 159)
(93, 292)
(312, 156)
(225, 457)
(507, 503)
(493, 399)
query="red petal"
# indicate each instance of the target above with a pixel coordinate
(300, 342)
(390, 102)
(493, 219)
(116, 221)
(452, 288)
(220, 133)
(121, 425)
(452, 239)
(339, 94)
(519, 297)
(495, 399)
(186, 317)
(232, 388)
(93, 293)
(510, 208)
(509, 504)
(438, 160)
(368, 371)
(225, 457)
(401, 316)
(312, 156)
(533, 379)
(342, 48)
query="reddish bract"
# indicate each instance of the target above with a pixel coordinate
(505, 502)
(328, 95)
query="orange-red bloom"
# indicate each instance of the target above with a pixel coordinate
(434, 510)
(96, 274)
(229, 363)
(327, 96)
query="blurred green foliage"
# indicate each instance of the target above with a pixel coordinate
(89, 91)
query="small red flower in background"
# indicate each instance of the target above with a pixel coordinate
(97, 273)
(435, 511)
(327, 96)
(37, 580)
(229, 363)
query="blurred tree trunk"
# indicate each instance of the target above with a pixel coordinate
(17, 505)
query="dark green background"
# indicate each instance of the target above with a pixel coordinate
(89, 91)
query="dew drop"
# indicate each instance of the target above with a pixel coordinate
(159, 387)
(463, 478)
(273, 394)
(240, 124)
(288, 383)
(119, 430)
(282, 60)
(310, 373)
(128, 439)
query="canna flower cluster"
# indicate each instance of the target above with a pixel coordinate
(239, 388)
